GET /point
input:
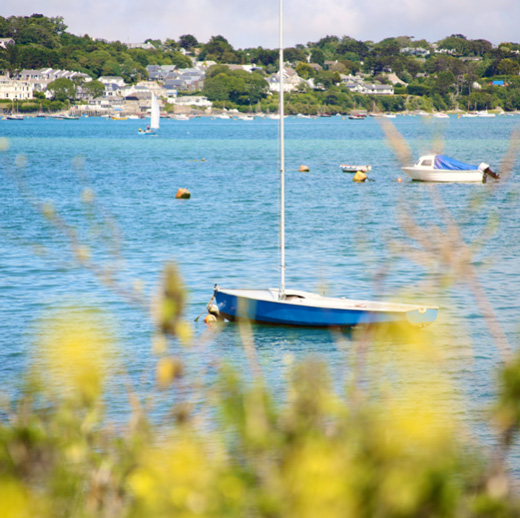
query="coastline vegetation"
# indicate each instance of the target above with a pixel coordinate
(455, 73)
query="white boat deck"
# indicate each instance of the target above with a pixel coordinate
(305, 298)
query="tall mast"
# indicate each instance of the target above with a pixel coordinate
(282, 165)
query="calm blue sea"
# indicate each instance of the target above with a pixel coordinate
(343, 238)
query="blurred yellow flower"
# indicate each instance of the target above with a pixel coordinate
(168, 369)
(314, 477)
(184, 331)
(14, 500)
(88, 195)
(75, 353)
(177, 479)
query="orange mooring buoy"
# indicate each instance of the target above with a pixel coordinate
(183, 193)
(304, 169)
(210, 319)
(399, 180)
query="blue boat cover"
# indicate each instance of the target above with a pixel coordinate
(445, 162)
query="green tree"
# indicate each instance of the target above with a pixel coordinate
(327, 40)
(318, 56)
(418, 89)
(351, 46)
(480, 47)
(293, 55)
(304, 70)
(352, 67)
(480, 100)
(62, 89)
(38, 56)
(441, 63)
(187, 41)
(263, 56)
(111, 68)
(179, 59)
(36, 29)
(508, 67)
(237, 86)
(97, 61)
(444, 82)
(94, 88)
(457, 43)
(216, 47)
(327, 78)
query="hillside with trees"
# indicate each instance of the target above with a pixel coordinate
(453, 73)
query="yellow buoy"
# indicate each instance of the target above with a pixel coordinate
(359, 177)
(304, 169)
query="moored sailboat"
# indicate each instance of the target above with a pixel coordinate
(291, 307)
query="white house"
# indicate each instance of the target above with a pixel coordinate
(4, 42)
(145, 46)
(15, 88)
(116, 80)
(291, 81)
(193, 100)
(144, 87)
(40, 78)
(378, 89)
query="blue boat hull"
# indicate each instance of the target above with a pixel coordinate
(233, 307)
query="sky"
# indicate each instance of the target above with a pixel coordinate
(253, 23)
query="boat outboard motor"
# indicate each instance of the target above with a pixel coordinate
(487, 171)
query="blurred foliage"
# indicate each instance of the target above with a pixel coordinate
(399, 454)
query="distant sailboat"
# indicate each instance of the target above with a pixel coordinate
(154, 118)
(14, 115)
(299, 308)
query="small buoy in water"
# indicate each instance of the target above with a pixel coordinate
(210, 319)
(213, 314)
(304, 169)
(213, 310)
(359, 177)
(183, 193)
(399, 180)
(203, 159)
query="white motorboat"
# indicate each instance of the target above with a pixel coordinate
(440, 168)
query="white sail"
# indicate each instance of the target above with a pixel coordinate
(154, 119)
